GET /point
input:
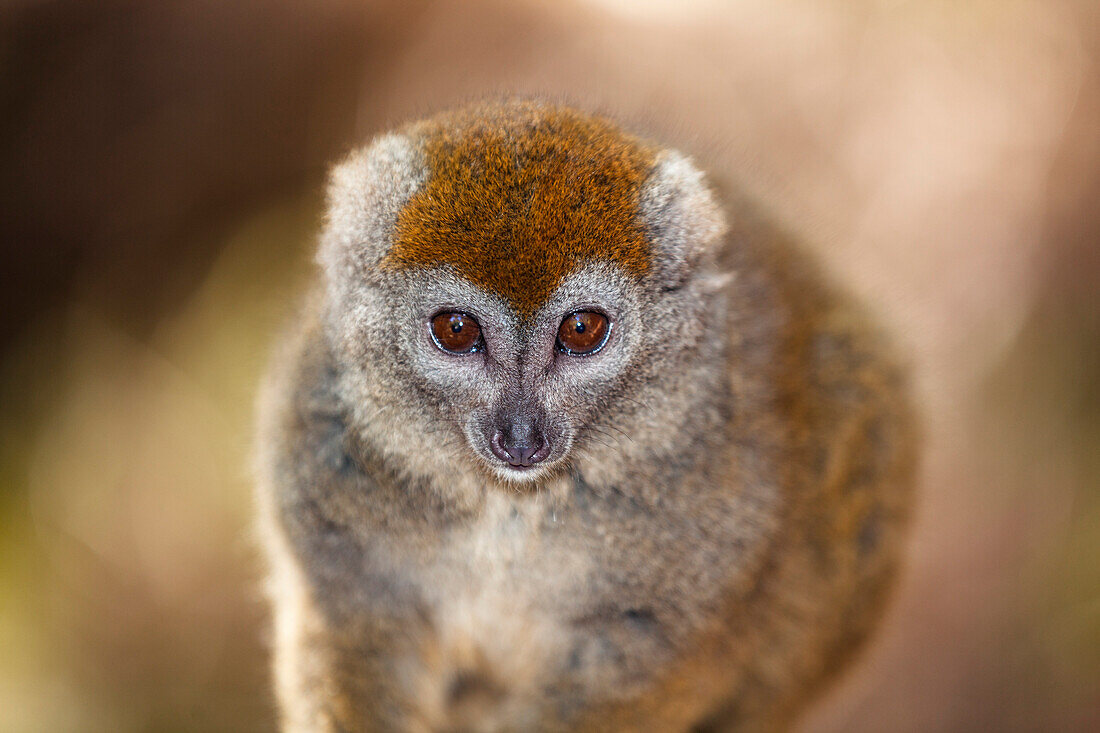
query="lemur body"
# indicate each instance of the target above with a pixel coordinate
(686, 526)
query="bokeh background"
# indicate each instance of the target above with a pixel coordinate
(161, 169)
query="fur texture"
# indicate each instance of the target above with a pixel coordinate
(521, 195)
(719, 516)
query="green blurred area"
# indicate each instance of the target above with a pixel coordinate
(130, 592)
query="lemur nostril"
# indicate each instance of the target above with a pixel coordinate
(542, 452)
(496, 444)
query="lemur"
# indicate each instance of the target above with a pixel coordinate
(554, 447)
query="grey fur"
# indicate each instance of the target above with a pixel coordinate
(711, 536)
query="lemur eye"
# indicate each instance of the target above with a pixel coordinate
(583, 332)
(456, 333)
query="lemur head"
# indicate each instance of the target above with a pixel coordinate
(517, 288)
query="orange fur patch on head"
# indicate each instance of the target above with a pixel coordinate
(520, 194)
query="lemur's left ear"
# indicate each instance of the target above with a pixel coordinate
(365, 194)
(682, 218)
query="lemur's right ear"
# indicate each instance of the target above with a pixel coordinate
(683, 220)
(366, 192)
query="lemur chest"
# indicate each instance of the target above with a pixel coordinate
(526, 597)
(518, 549)
(501, 591)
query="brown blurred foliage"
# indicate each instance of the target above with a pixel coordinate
(162, 164)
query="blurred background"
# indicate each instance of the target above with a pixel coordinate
(161, 169)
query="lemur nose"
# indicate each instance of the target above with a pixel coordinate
(519, 443)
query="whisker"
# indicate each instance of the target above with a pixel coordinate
(637, 402)
(621, 432)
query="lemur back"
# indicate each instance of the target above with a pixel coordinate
(553, 447)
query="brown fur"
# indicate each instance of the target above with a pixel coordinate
(517, 198)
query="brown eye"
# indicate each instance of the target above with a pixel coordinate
(456, 332)
(583, 332)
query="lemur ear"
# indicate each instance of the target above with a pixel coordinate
(366, 192)
(682, 218)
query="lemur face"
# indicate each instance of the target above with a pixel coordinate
(520, 391)
(527, 260)
(517, 436)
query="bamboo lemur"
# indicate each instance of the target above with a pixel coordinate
(554, 448)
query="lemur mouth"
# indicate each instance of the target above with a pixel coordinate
(521, 478)
(521, 467)
(531, 468)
